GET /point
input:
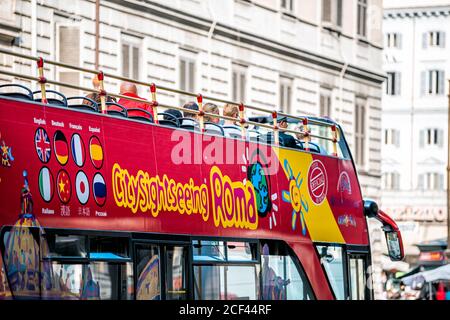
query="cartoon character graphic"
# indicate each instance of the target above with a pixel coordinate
(257, 175)
(6, 154)
(295, 197)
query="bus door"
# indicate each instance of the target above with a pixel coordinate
(161, 270)
(358, 276)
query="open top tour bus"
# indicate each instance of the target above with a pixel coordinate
(103, 202)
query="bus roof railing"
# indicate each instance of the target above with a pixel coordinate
(306, 133)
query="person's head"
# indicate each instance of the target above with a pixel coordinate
(282, 122)
(231, 110)
(190, 106)
(176, 113)
(211, 108)
(95, 82)
(300, 129)
(128, 87)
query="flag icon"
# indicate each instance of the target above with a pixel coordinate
(64, 187)
(78, 152)
(61, 148)
(82, 187)
(99, 187)
(42, 144)
(96, 152)
(46, 184)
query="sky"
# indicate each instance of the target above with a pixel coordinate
(414, 3)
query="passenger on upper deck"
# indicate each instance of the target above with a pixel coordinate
(288, 140)
(211, 108)
(231, 110)
(130, 90)
(190, 106)
(176, 113)
(95, 95)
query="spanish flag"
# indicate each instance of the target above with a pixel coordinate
(96, 152)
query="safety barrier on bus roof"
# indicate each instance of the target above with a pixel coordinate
(334, 136)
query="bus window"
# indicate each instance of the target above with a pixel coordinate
(281, 280)
(225, 270)
(357, 278)
(208, 250)
(241, 251)
(226, 282)
(332, 261)
(66, 246)
(176, 280)
(148, 286)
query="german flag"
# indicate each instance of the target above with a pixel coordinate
(96, 152)
(61, 148)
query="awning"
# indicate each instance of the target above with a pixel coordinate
(437, 274)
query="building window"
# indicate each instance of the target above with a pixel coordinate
(69, 53)
(432, 137)
(433, 82)
(392, 137)
(285, 94)
(287, 6)
(325, 103)
(391, 181)
(131, 57)
(431, 181)
(239, 83)
(332, 12)
(433, 39)
(362, 18)
(394, 40)
(187, 76)
(360, 133)
(393, 83)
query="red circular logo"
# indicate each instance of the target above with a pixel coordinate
(318, 182)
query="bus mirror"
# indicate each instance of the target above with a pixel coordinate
(395, 245)
(370, 209)
(390, 228)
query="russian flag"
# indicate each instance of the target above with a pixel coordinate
(99, 188)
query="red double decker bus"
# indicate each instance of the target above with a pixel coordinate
(99, 204)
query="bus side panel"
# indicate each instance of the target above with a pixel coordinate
(310, 263)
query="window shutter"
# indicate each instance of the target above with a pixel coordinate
(397, 83)
(420, 182)
(242, 87)
(441, 82)
(326, 10)
(183, 75)
(126, 60)
(441, 138)
(339, 13)
(69, 52)
(422, 138)
(397, 138)
(191, 76)
(135, 63)
(442, 44)
(424, 40)
(234, 86)
(423, 82)
(399, 39)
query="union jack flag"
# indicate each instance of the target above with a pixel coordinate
(42, 143)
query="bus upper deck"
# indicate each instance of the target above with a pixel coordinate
(84, 172)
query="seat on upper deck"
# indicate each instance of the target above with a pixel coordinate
(14, 91)
(82, 103)
(54, 98)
